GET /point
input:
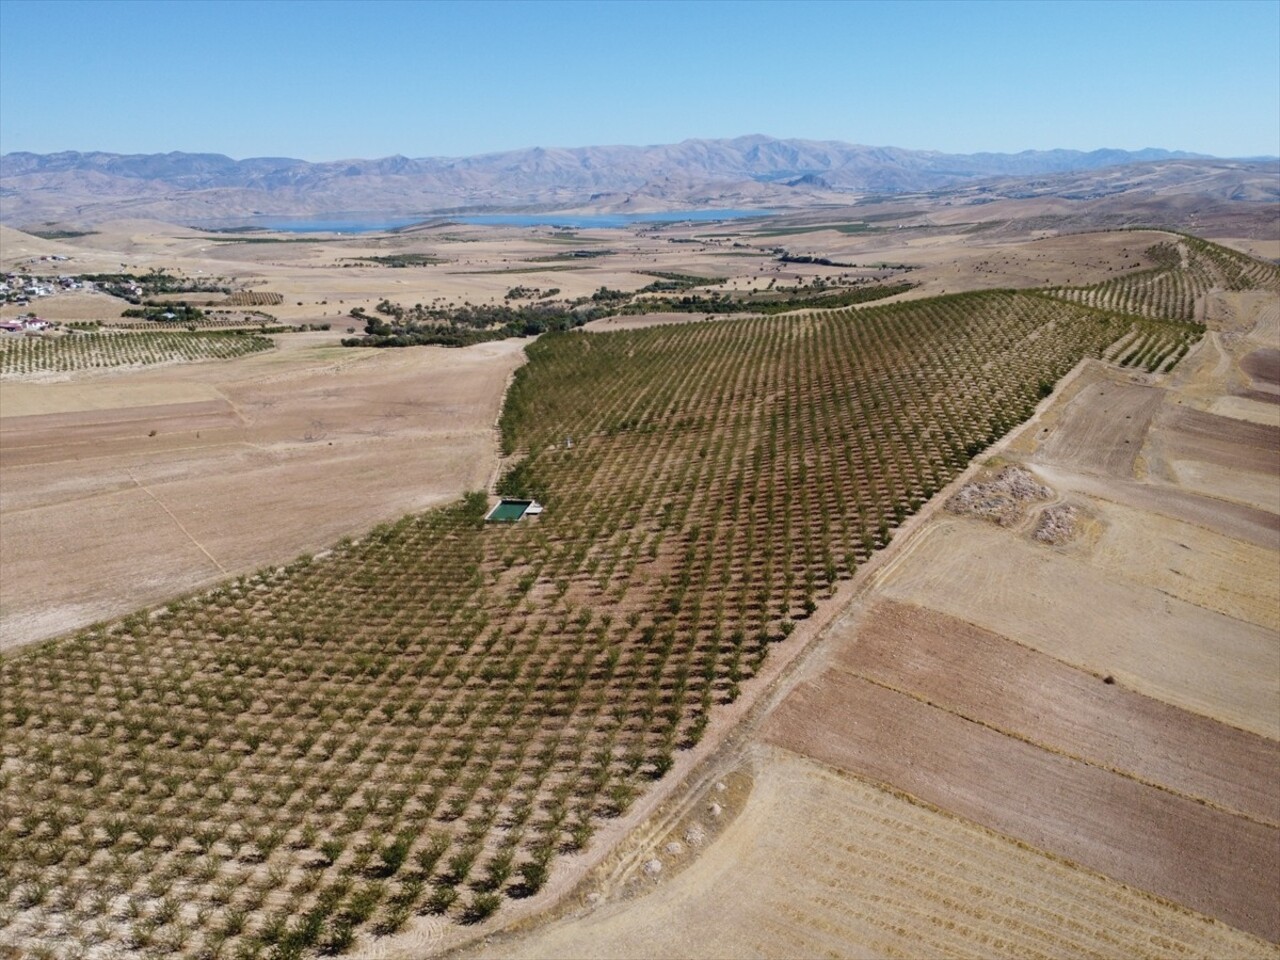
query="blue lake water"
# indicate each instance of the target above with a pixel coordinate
(379, 224)
(587, 220)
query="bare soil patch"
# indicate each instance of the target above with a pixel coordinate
(1211, 861)
(1091, 618)
(123, 499)
(1187, 434)
(1186, 561)
(1234, 520)
(1103, 428)
(993, 681)
(1263, 366)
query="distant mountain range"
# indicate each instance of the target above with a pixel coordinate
(752, 171)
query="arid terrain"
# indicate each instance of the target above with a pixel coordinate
(1043, 721)
(325, 441)
(1049, 731)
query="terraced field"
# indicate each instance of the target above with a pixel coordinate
(420, 722)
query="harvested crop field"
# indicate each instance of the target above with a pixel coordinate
(994, 682)
(136, 487)
(1206, 662)
(1216, 863)
(1190, 435)
(819, 864)
(1103, 428)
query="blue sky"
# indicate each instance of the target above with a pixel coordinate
(330, 80)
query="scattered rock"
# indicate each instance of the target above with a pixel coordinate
(695, 836)
(653, 867)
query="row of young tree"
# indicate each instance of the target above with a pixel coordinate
(424, 721)
(24, 356)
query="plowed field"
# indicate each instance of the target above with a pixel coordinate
(1211, 861)
(993, 682)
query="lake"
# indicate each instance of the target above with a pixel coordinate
(588, 220)
(370, 223)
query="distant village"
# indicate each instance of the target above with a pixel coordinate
(20, 289)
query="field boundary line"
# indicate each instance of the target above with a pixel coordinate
(1056, 751)
(200, 546)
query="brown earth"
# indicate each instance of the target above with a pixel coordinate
(968, 681)
(996, 683)
(1102, 428)
(1263, 366)
(1222, 441)
(1066, 607)
(1211, 861)
(120, 499)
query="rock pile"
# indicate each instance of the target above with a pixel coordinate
(1001, 498)
(1057, 524)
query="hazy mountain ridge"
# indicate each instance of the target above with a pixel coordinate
(753, 169)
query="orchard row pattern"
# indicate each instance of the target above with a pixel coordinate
(421, 721)
(23, 356)
(1186, 269)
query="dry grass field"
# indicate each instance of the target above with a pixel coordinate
(1054, 734)
(821, 864)
(119, 490)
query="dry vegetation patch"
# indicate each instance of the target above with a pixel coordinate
(1001, 499)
